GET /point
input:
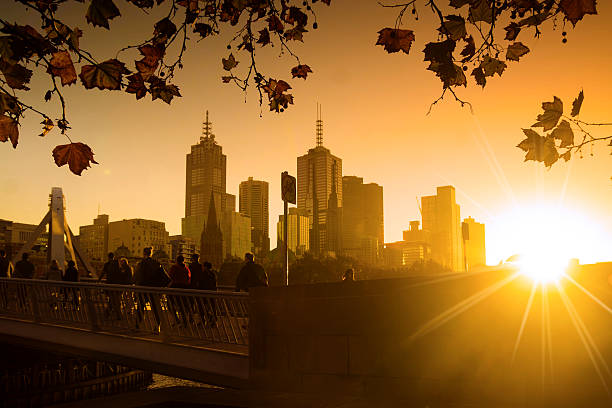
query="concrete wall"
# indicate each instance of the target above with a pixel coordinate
(359, 339)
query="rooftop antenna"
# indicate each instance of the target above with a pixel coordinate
(319, 126)
(207, 130)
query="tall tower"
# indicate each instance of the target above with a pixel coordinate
(211, 249)
(319, 173)
(205, 179)
(441, 217)
(254, 203)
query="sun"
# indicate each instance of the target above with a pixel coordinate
(544, 238)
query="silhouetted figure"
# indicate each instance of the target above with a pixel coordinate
(54, 272)
(149, 273)
(126, 273)
(24, 269)
(210, 277)
(251, 275)
(197, 273)
(180, 276)
(349, 276)
(72, 273)
(5, 265)
(111, 270)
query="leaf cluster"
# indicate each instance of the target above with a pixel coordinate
(469, 35)
(54, 49)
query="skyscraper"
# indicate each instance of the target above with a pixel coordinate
(254, 203)
(474, 242)
(363, 230)
(319, 184)
(298, 231)
(211, 249)
(205, 178)
(441, 217)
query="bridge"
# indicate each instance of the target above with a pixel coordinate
(481, 339)
(198, 335)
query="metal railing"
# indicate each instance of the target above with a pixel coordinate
(169, 314)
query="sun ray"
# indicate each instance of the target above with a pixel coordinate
(547, 337)
(460, 307)
(589, 294)
(524, 322)
(448, 277)
(584, 337)
(468, 197)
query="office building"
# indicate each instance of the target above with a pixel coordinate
(137, 234)
(474, 243)
(442, 219)
(298, 231)
(254, 204)
(93, 239)
(363, 230)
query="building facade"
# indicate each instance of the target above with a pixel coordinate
(205, 177)
(442, 219)
(93, 239)
(137, 234)
(363, 230)
(254, 204)
(319, 184)
(474, 243)
(298, 232)
(181, 245)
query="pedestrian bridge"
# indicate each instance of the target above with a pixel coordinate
(200, 335)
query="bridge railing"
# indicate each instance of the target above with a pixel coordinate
(169, 314)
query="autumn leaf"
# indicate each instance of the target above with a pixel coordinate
(492, 66)
(203, 29)
(9, 130)
(566, 156)
(229, 63)
(163, 30)
(106, 75)
(159, 89)
(100, 11)
(451, 74)
(439, 51)
(479, 76)
(274, 24)
(61, 65)
(469, 50)
(564, 133)
(515, 51)
(16, 75)
(264, 37)
(77, 155)
(539, 148)
(453, 27)
(480, 10)
(300, 71)
(552, 112)
(512, 31)
(136, 86)
(278, 100)
(395, 39)
(47, 126)
(294, 15)
(151, 57)
(577, 104)
(295, 34)
(574, 10)
(227, 79)
(74, 39)
(8, 103)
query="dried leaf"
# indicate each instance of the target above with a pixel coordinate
(106, 75)
(480, 10)
(159, 89)
(469, 50)
(539, 148)
(100, 11)
(295, 34)
(163, 30)
(300, 71)
(9, 130)
(515, 51)
(203, 29)
(61, 65)
(566, 156)
(395, 39)
(564, 133)
(453, 27)
(274, 24)
(136, 86)
(16, 75)
(264, 37)
(77, 155)
(577, 104)
(8, 103)
(492, 66)
(450, 73)
(229, 63)
(574, 10)
(552, 112)
(47, 126)
(512, 31)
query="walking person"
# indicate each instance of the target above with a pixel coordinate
(72, 275)
(24, 269)
(197, 273)
(111, 270)
(5, 265)
(251, 274)
(54, 272)
(126, 272)
(149, 273)
(180, 277)
(210, 283)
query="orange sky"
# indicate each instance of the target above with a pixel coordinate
(374, 112)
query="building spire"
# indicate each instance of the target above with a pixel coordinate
(207, 133)
(319, 126)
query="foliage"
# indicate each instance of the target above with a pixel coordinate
(469, 32)
(54, 50)
(562, 141)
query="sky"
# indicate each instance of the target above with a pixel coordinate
(374, 110)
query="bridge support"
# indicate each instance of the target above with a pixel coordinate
(61, 238)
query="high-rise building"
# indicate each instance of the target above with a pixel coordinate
(474, 243)
(211, 239)
(205, 178)
(441, 217)
(93, 239)
(137, 234)
(363, 230)
(254, 203)
(319, 185)
(239, 236)
(298, 231)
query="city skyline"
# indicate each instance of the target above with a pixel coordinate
(380, 133)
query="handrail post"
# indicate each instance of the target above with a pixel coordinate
(91, 309)
(164, 327)
(33, 301)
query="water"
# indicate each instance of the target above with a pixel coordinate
(162, 381)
